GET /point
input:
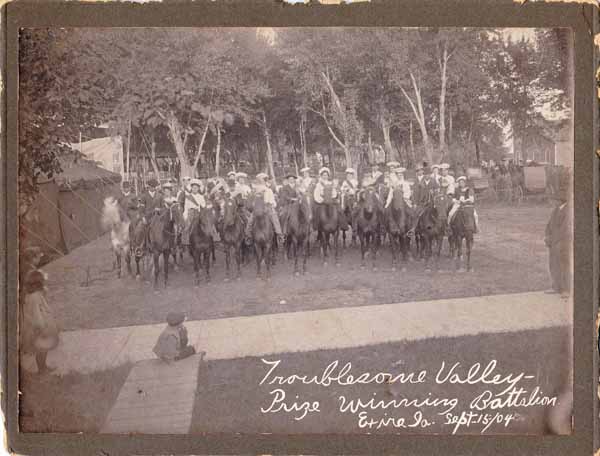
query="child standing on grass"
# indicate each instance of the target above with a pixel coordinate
(172, 344)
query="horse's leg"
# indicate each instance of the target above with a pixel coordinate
(207, 256)
(238, 259)
(196, 258)
(166, 255)
(118, 255)
(469, 245)
(227, 247)
(258, 253)
(156, 257)
(440, 242)
(404, 246)
(336, 246)
(128, 260)
(459, 241)
(374, 247)
(268, 254)
(393, 244)
(363, 241)
(295, 252)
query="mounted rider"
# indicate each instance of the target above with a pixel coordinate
(349, 187)
(318, 193)
(194, 202)
(261, 190)
(151, 200)
(306, 181)
(397, 182)
(435, 173)
(287, 196)
(447, 178)
(464, 196)
(128, 201)
(425, 192)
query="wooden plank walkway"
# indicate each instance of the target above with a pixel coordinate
(157, 398)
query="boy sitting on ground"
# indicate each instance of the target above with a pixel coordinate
(172, 344)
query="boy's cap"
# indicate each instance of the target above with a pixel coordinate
(175, 318)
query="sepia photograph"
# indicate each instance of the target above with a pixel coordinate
(296, 230)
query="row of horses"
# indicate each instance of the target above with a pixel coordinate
(134, 237)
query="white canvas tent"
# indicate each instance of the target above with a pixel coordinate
(107, 152)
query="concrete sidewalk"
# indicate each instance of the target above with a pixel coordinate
(92, 350)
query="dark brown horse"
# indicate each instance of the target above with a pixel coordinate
(262, 235)
(397, 224)
(328, 223)
(232, 233)
(201, 241)
(463, 227)
(347, 207)
(138, 237)
(368, 225)
(161, 238)
(297, 231)
(428, 230)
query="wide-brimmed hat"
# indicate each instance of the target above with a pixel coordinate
(168, 185)
(324, 169)
(290, 176)
(152, 183)
(461, 178)
(350, 171)
(197, 182)
(261, 176)
(175, 318)
(393, 164)
(445, 166)
(306, 168)
(434, 166)
(231, 174)
(238, 175)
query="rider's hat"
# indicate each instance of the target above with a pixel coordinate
(168, 185)
(231, 174)
(290, 176)
(197, 182)
(240, 174)
(461, 178)
(261, 176)
(350, 171)
(445, 166)
(434, 166)
(306, 168)
(152, 183)
(324, 169)
(393, 164)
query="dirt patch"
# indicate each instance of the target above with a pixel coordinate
(229, 397)
(72, 403)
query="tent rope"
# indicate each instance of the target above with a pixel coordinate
(44, 241)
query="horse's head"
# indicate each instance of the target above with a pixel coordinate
(369, 200)
(258, 205)
(398, 199)
(206, 219)
(230, 211)
(110, 213)
(328, 194)
(138, 239)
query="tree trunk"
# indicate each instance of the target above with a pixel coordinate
(442, 127)
(303, 141)
(412, 143)
(387, 140)
(176, 132)
(153, 156)
(419, 113)
(200, 146)
(269, 151)
(218, 152)
(449, 127)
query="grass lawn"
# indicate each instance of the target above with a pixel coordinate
(229, 397)
(71, 403)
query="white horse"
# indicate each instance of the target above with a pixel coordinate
(114, 219)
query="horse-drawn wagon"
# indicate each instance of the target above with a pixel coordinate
(479, 182)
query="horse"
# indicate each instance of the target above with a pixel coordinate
(262, 235)
(115, 219)
(201, 241)
(397, 224)
(161, 238)
(232, 233)
(298, 230)
(138, 240)
(368, 224)
(429, 231)
(328, 223)
(347, 206)
(442, 203)
(463, 227)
